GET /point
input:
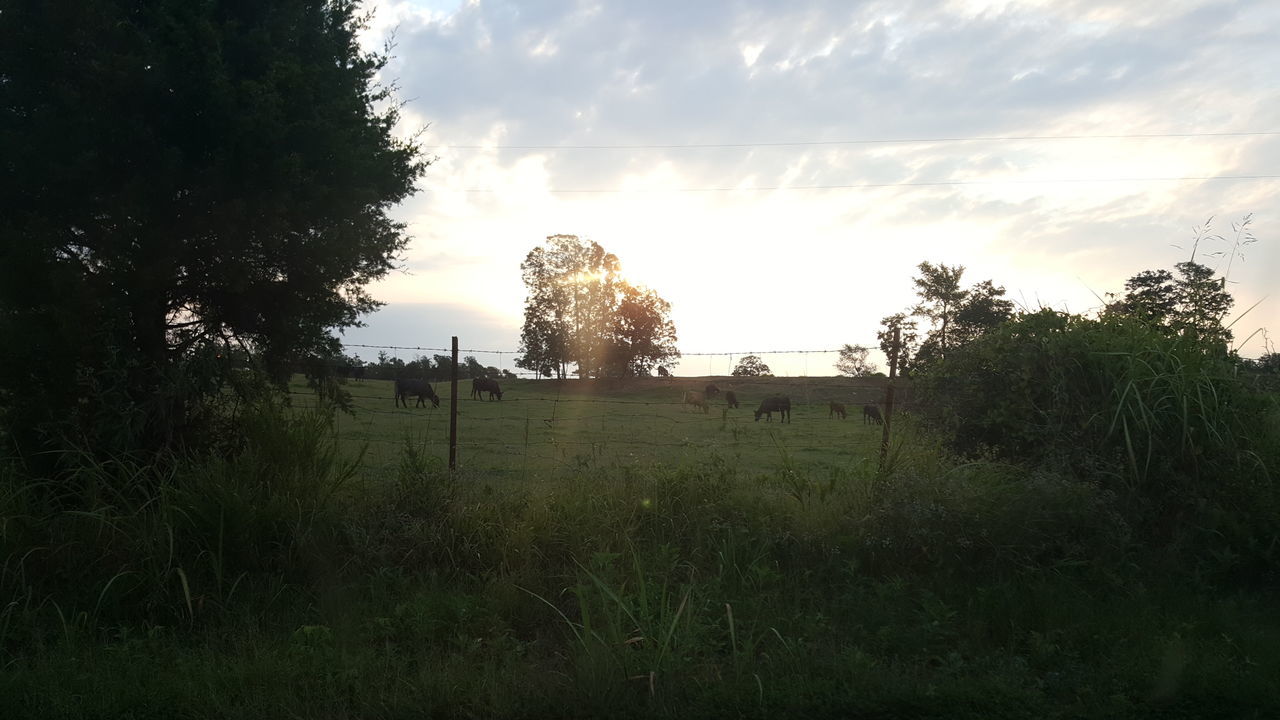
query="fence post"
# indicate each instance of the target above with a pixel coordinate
(888, 397)
(453, 408)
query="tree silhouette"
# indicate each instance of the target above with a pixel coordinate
(581, 311)
(853, 361)
(179, 178)
(752, 366)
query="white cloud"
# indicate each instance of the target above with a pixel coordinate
(763, 268)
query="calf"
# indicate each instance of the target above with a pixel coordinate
(482, 385)
(420, 388)
(696, 399)
(836, 409)
(871, 414)
(730, 399)
(780, 404)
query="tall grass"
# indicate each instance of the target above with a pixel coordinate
(174, 538)
(274, 580)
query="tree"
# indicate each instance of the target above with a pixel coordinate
(940, 297)
(179, 175)
(643, 335)
(751, 366)
(853, 361)
(1193, 303)
(901, 354)
(581, 311)
(982, 310)
(1149, 296)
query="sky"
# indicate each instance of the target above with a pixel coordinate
(777, 171)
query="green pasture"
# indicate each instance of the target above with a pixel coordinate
(542, 427)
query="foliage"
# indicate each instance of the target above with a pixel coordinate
(1165, 420)
(853, 361)
(580, 310)
(178, 175)
(1194, 303)
(177, 537)
(959, 316)
(901, 354)
(940, 297)
(702, 590)
(751, 366)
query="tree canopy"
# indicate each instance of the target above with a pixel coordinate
(581, 311)
(853, 361)
(179, 178)
(1195, 302)
(752, 366)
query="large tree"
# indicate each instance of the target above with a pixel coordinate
(581, 311)
(853, 361)
(643, 336)
(751, 366)
(940, 298)
(959, 315)
(1193, 303)
(176, 176)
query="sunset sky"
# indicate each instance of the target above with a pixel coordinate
(777, 171)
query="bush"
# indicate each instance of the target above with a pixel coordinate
(1164, 420)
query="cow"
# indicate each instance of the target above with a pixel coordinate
(663, 372)
(696, 399)
(871, 414)
(730, 398)
(482, 385)
(836, 409)
(778, 404)
(357, 372)
(419, 388)
(711, 390)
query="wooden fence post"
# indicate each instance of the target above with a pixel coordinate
(888, 396)
(453, 408)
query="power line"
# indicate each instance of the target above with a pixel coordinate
(866, 186)
(868, 141)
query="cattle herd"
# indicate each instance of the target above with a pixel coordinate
(698, 400)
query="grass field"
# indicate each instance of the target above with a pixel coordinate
(542, 427)
(606, 552)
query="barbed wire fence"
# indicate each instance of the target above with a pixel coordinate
(566, 423)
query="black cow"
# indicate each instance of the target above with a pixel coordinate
(778, 404)
(730, 399)
(485, 385)
(663, 372)
(711, 390)
(836, 409)
(419, 388)
(871, 414)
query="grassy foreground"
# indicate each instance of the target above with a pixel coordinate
(734, 576)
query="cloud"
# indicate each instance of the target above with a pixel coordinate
(493, 74)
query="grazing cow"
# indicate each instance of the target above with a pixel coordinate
(357, 372)
(836, 409)
(663, 372)
(483, 385)
(871, 414)
(419, 388)
(778, 404)
(730, 398)
(696, 399)
(711, 390)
